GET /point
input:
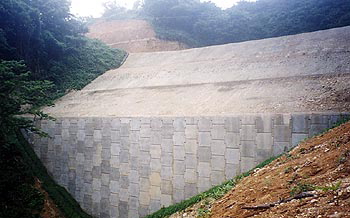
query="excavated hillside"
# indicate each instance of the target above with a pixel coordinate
(131, 36)
(313, 180)
(300, 73)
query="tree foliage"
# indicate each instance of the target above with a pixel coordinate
(205, 24)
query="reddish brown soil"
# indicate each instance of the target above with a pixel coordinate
(322, 161)
(50, 209)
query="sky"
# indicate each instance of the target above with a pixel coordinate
(94, 8)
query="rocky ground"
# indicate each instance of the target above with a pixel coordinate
(313, 180)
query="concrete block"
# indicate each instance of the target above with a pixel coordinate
(96, 172)
(124, 169)
(218, 132)
(217, 177)
(247, 163)
(144, 158)
(231, 170)
(115, 174)
(134, 176)
(264, 141)
(145, 131)
(89, 129)
(115, 137)
(204, 124)
(145, 144)
(124, 156)
(179, 153)
(263, 154)
(124, 143)
(280, 147)
(145, 120)
(105, 179)
(105, 166)
(155, 165)
(135, 124)
(204, 184)
(319, 119)
(191, 161)
(232, 140)
(134, 190)
(232, 156)
(156, 137)
(155, 192)
(178, 182)
(156, 124)
(191, 146)
(264, 124)
(204, 154)
(115, 161)
(248, 119)
(248, 132)
(218, 162)
(167, 120)
(204, 170)
(154, 205)
(155, 179)
(144, 184)
(298, 137)
(179, 124)
(191, 132)
(143, 211)
(167, 187)
(316, 129)
(233, 124)
(191, 120)
(134, 136)
(248, 149)
(179, 138)
(166, 159)
(190, 176)
(96, 197)
(166, 172)
(218, 147)
(167, 131)
(282, 133)
(167, 146)
(166, 200)
(115, 124)
(97, 135)
(80, 123)
(281, 119)
(179, 167)
(300, 123)
(204, 138)
(155, 151)
(124, 194)
(178, 195)
(114, 186)
(145, 198)
(124, 129)
(190, 190)
(334, 119)
(106, 154)
(123, 209)
(114, 199)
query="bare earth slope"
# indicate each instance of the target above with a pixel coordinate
(319, 166)
(131, 35)
(300, 73)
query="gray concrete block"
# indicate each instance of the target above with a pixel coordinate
(204, 124)
(134, 136)
(115, 149)
(155, 151)
(263, 154)
(179, 124)
(115, 174)
(248, 119)
(232, 156)
(123, 209)
(264, 124)
(319, 119)
(124, 156)
(218, 147)
(204, 154)
(124, 129)
(106, 154)
(155, 179)
(167, 146)
(156, 137)
(232, 140)
(166, 172)
(166, 200)
(134, 190)
(178, 182)
(233, 124)
(204, 184)
(298, 137)
(114, 211)
(105, 166)
(179, 153)
(247, 163)
(248, 133)
(190, 176)
(178, 195)
(179, 167)
(144, 198)
(155, 165)
(115, 136)
(190, 190)
(280, 147)
(217, 177)
(167, 120)
(96, 172)
(124, 182)
(282, 133)
(166, 187)
(135, 124)
(155, 193)
(204, 170)
(316, 129)
(145, 131)
(218, 162)
(144, 184)
(144, 158)
(264, 141)
(115, 124)
(300, 123)
(166, 159)
(191, 120)
(179, 138)
(154, 205)
(156, 124)
(218, 132)
(248, 149)
(124, 168)
(134, 176)
(191, 161)
(231, 170)
(124, 143)
(145, 144)
(145, 120)
(167, 131)
(143, 211)
(191, 132)
(204, 138)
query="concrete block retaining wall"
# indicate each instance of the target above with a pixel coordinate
(130, 167)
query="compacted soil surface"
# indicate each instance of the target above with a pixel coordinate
(312, 180)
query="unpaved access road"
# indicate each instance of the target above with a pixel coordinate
(300, 73)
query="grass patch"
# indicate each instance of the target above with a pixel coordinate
(215, 192)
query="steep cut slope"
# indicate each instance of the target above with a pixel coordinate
(319, 167)
(305, 72)
(131, 36)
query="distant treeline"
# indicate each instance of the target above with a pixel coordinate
(202, 23)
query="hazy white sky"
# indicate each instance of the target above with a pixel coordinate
(94, 7)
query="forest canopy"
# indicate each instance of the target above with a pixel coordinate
(203, 23)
